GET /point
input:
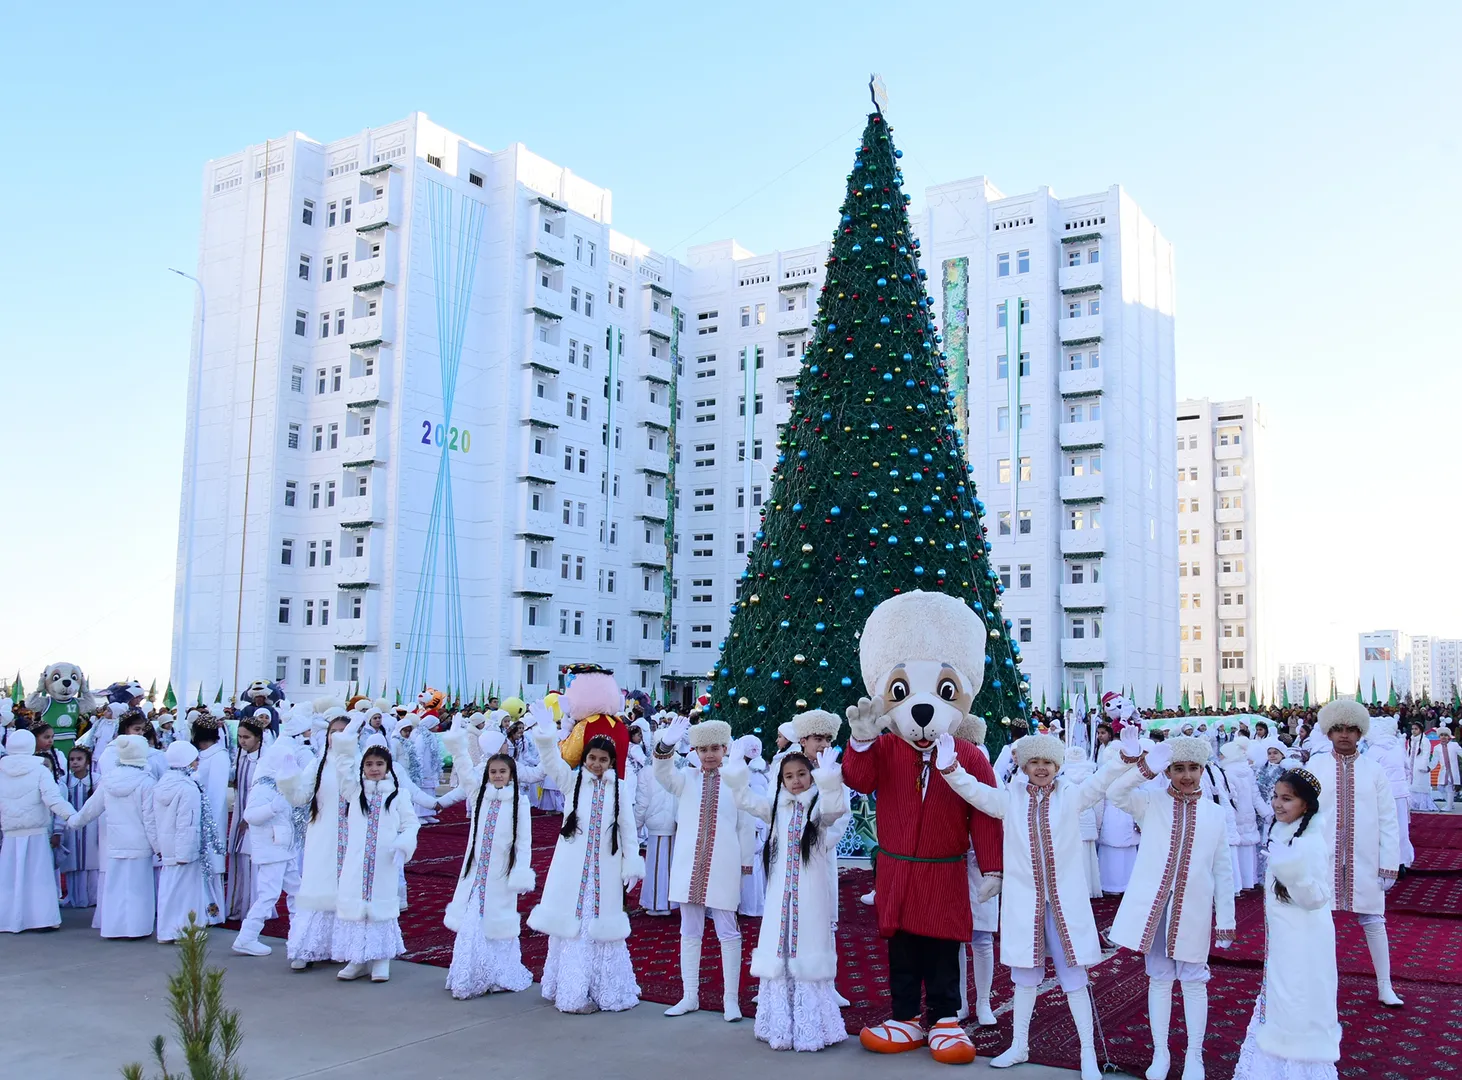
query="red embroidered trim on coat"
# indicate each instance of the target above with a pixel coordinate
(1043, 863)
(705, 839)
(1344, 833)
(1038, 879)
(1186, 812)
(1154, 917)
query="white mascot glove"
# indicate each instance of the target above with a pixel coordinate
(1131, 740)
(734, 771)
(865, 719)
(827, 759)
(670, 735)
(1159, 757)
(944, 752)
(539, 715)
(989, 887)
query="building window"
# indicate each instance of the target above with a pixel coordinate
(1078, 627)
(307, 217)
(1000, 318)
(304, 268)
(1003, 528)
(301, 321)
(324, 324)
(563, 566)
(578, 624)
(293, 437)
(475, 179)
(1022, 262)
(340, 321)
(291, 491)
(344, 220)
(1023, 628)
(314, 496)
(608, 630)
(1002, 264)
(578, 568)
(286, 552)
(297, 380)
(333, 441)
(324, 613)
(1023, 579)
(1002, 366)
(1004, 572)
(317, 438)
(1002, 470)
(330, 493)
(307, 671)
(284, 610)
(1232, 661)
(1002, 418)
(1024, 522)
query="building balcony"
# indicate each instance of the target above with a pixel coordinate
(541, 523)
(1087, 651)
(650, 555)
(1227, 453)
(362, 509)
(555, 247)
(371, 330)
(1228, 612)
(1079, 277)
(358, 449)
(650, 509)
(790, 322)
(655, 462)
(1233, 677)
(1228, 516)
(655, 370)
(546, 299)
(647, 651)
(1083, 329)
(533, 579)
(365, 570)
(1085, 381)
(378, 213)
(1082, 542)
(1082, 488)
(543, 412)
(1233, 578)
(1078, 436)
(1229, 547)
(546, 357)
(658, 322)
(372, 273)
(373, 388)
(531, 638)
(358, 632)
(1083, 597)
(1228, 483)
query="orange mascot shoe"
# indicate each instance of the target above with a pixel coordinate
(894, 1037)
(949, 1044)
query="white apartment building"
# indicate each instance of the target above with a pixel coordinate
(1221, 600)
(1385, 664)
(1446, 668)
(485, 293)
(1415, 663)
(1295, 679)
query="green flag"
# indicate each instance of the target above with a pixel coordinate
(1391, 698)
(398, 697)
(1456, 698)
(218, 698)
(1183, 703)
(1357, 692)
(17, 691)
(1043, 701)
(1157, 700)
(170, 699)
(152, 691)
(368, 688)
(1253, 698)
(200, 693)
(1307, 693)
(1333, 692)
(1284, 694)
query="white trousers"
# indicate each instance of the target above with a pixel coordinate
(1403, 819)
(268, 884)
(1164, 968)
(1070, 978)
(693, 922)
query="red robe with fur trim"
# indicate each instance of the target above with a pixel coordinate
(927, 898)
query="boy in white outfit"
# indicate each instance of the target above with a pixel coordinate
(1182, 878)
(714, 846)
(271, 831)
(1446, 760)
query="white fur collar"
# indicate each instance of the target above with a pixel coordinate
(804, 797)
(498, 794)
(383, 787)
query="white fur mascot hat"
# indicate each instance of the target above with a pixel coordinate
(710, 733)
(922, 626)
(1190, 748)
(1040, 748)
(1344, 713)
(816, 722)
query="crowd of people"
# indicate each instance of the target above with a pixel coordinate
(153, 820)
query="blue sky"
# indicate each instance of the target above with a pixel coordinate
(1301, 158)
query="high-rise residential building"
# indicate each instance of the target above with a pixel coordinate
(1385, 664)
(1223, 631)
(1446, 669)
(492, 436)
(1301, 682)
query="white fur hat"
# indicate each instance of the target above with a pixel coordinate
(816, 722)
(181, 754)
(23, 744)
(1343, 712)
(1234, 750)
(921, 625)
(131, 749)
(710, 733)
(1190, 748)
(1040, 747)
(972, 729)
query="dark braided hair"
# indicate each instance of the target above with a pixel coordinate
(477, 813)
(320, 770)
(571, 819)
(48, 756)
(1305, 786)
(809, 830)
(384, 754)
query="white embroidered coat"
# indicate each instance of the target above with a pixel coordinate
(1361, 828)
(1183, 867)
(1037, 872)
(367, 888)
(326, 836)
(585, 879)
(1445, 754)
(796, 937)
(486, 890)
(705, 866)
(1295, 1014)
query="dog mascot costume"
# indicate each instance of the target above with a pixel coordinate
(61, 699)
(923, 660)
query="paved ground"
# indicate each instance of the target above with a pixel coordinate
(79, 1007)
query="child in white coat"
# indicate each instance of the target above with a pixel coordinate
(28, 798)
(796, 955)
(80, 857)
(182, 885)
(128, 892)
(382, 824)
(271, 828)
(498, 868)
(595, 860)
(714, 846)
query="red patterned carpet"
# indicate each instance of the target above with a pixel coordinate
(1421, 1042)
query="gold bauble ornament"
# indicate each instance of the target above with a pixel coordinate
(806, 548)
(742, 701)
(799, 659)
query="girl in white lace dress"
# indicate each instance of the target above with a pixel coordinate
(596, 859)
(1295, 1033)
(795, 957)
(497, 869)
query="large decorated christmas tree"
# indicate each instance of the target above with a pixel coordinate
(872, 494)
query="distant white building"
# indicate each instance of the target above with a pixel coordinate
(446, 383)
(1298, 679)
(1221, 487)
(1385, 664)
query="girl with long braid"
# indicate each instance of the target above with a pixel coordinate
(496, 870)
(1295, 1033)
(596, 859)
(795, 957)
(381, 825)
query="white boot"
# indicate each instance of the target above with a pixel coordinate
(983, 963)
(842, 1002)
(1380, 946)
(1159, 1017)
(1195, 1016)
(690, 978)
(248, 943)
(731, 979)
(1024, 1004)
(351, 971)
(380, 970)
(1079, 1002)
(964, 990)
(298, 965)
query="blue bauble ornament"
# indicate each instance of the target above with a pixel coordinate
(846, 681)
(819, 627)
(835, 511)
(858, 592)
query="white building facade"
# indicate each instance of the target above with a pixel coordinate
(1385, 664)
(463, 435)
(1301, 682)
(1221, 598)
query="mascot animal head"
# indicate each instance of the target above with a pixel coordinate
(591, 691)
(431, 701)
(924, 654)
(62, 681)
(1116, 707)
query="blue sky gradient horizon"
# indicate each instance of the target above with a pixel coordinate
(1296, 156)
